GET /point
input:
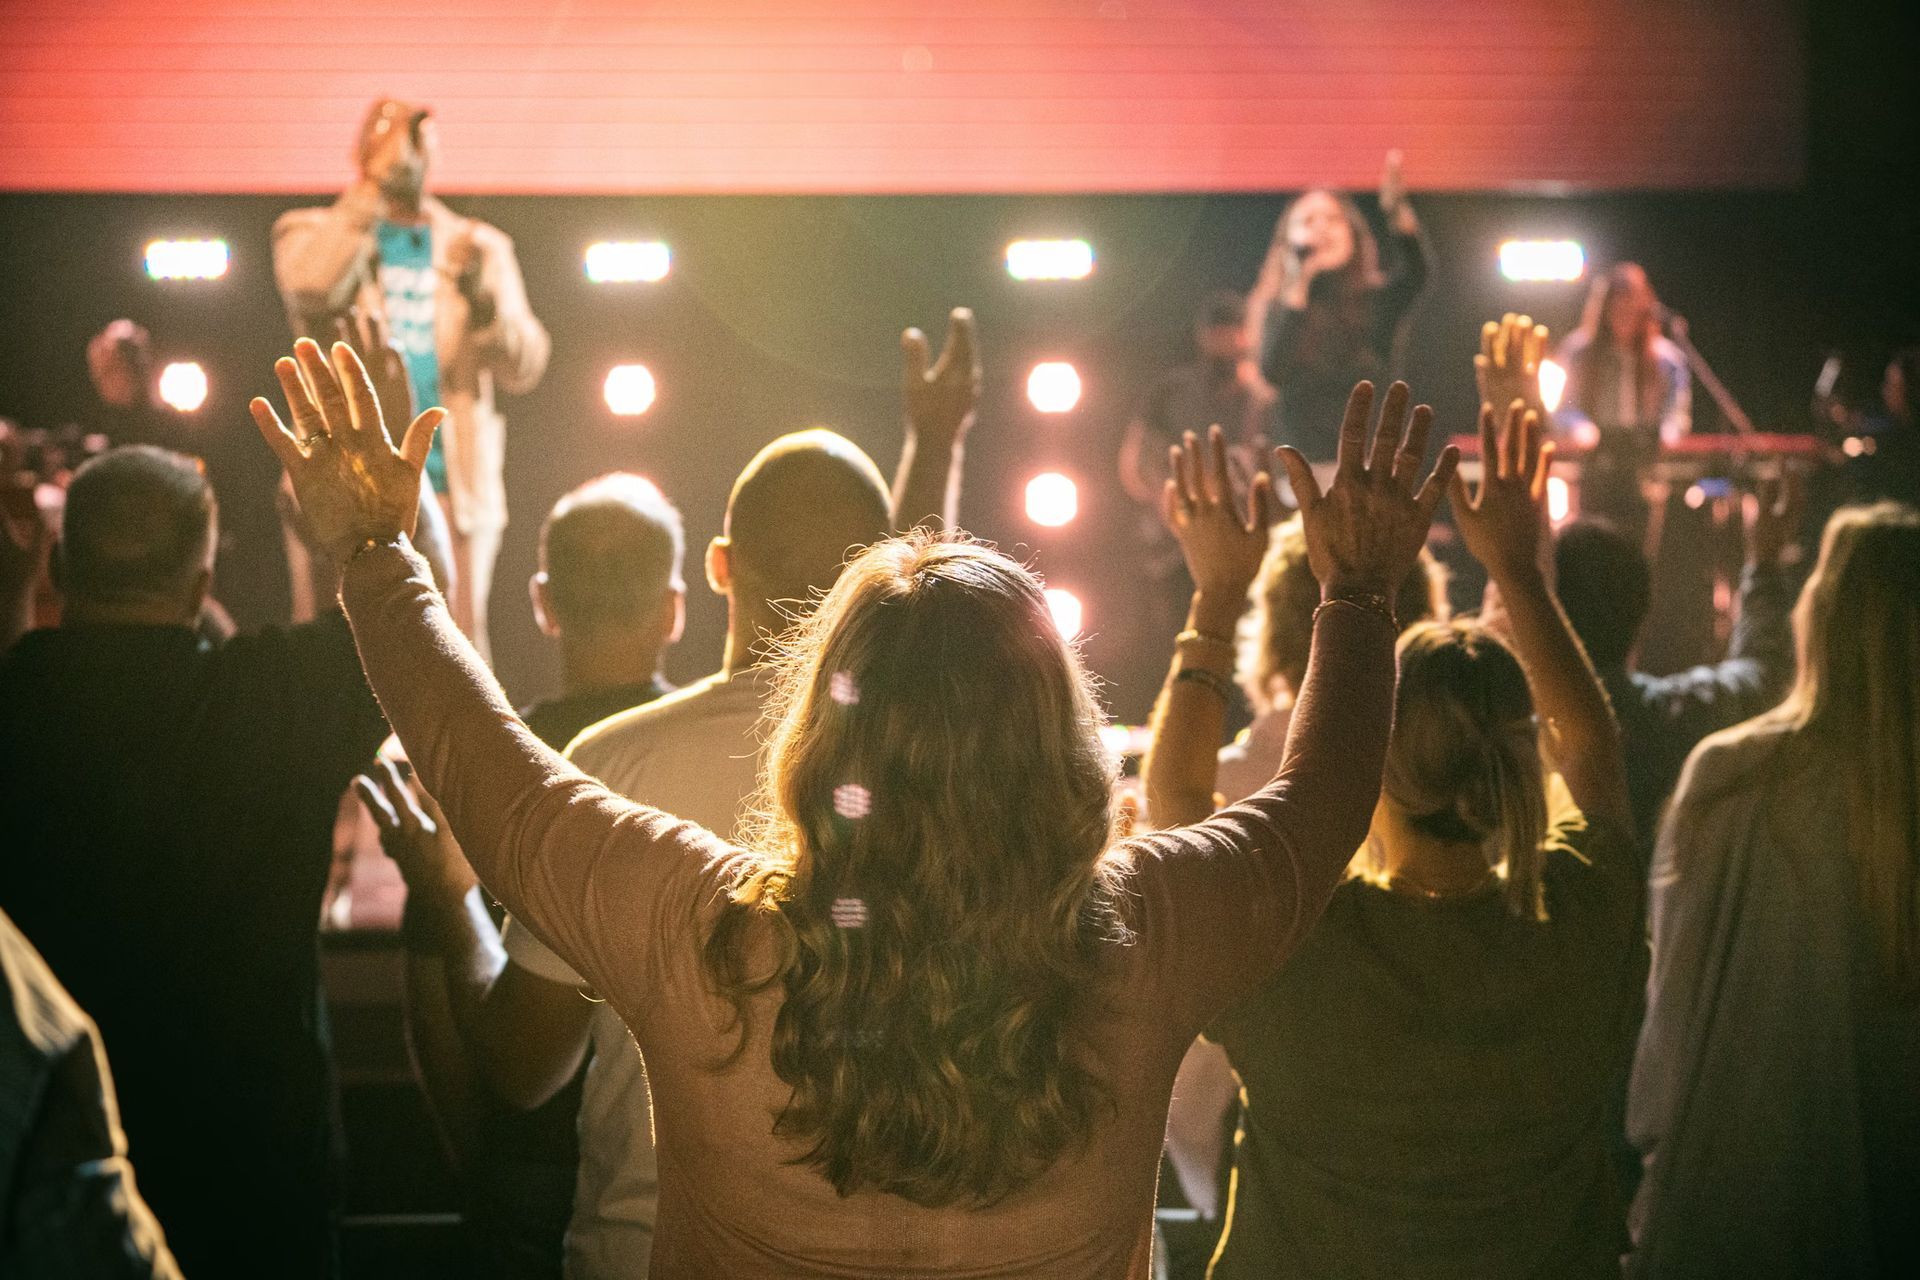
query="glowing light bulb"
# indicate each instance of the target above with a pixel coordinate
(1559, 500)
(1068, 615)
(183, 386)
(627, 261)
(187, 259)
(1049, 259)
(629, 389)
(1052, 499)
(1053, 386)
(1534, 261)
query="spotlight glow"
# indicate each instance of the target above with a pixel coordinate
(1559, 500)
(627, 261)
(1529, 261)
(1068, 615)
(187, 259)
(1049, 259)
(1052, 499)
(1053, 386)
(629, 389)
(183, 386)
(1553, 384)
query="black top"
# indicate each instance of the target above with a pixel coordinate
(1428, 1083)
(1314, 355)
(168, 814)
(1194, 396)
(558, 721)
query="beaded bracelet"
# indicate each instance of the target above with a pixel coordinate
(1191, 636)
(1219, 685)
(391, 540)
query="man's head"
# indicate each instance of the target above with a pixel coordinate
(398, 144)
(1606, 587)
(1220, 328)
(137, 540)
(610, 563)
(800, 506)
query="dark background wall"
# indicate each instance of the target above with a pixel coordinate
(783, 312)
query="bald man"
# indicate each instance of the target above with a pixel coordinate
(795, 512)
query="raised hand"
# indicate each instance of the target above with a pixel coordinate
(1504, 525)
(1508, 366)
(1394, 205)
(1223, 548)
(1774, 515)
(351, 483)
(941, 399)
(411, 832)
(1365, 532)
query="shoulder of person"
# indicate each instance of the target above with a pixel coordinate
(638, 729)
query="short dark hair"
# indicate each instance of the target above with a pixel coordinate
(611, 549)
(1606, 587)
(1221, 307)
(139, 526)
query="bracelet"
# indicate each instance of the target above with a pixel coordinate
(1373, 602)
(1220, 686)
(1193, 637)
(391, 540)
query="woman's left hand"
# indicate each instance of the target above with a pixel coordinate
(352, 484)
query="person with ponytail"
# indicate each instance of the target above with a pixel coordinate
(1776, 1092)
(1427, 1081)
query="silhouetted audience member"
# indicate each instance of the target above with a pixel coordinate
(169, 806)
(1606, 587)
(68, 1204)
(1776, 1094)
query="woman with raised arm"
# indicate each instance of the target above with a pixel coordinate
(926, 1025)
(1776, 1093)
(1428, 1078)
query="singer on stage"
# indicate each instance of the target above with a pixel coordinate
(453, 300)
(1330, 305)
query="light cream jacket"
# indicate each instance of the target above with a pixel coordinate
(324, 260)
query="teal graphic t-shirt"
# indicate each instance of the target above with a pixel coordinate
(407, 278)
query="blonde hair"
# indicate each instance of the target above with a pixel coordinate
(1464, 758)
(931, 859)
(1276, 634)
(1857, 696)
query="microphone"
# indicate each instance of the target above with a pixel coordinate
(1299, 249)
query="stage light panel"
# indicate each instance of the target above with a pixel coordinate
(1553, 384)
(629, 389)
(187, 259)
(1068, 613)
(1052, 499)
(1049, 259)
(1053, 386)
(183, 386)
(1559, 500)
(1532, 261)
(628, 261)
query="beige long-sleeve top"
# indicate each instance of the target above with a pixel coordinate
(625, 894)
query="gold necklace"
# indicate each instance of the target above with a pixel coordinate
(1402, 885)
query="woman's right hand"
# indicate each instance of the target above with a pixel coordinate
(1365, 532)
(1504, 525)
(1223, 549)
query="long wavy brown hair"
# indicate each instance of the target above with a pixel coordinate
(931, 858)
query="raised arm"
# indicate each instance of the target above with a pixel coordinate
(568, 858)
(1226, 900)
(1503, 526)
(321, 255)
(940, 400)
(1223, 550)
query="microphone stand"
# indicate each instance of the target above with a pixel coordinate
(1729, 407)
